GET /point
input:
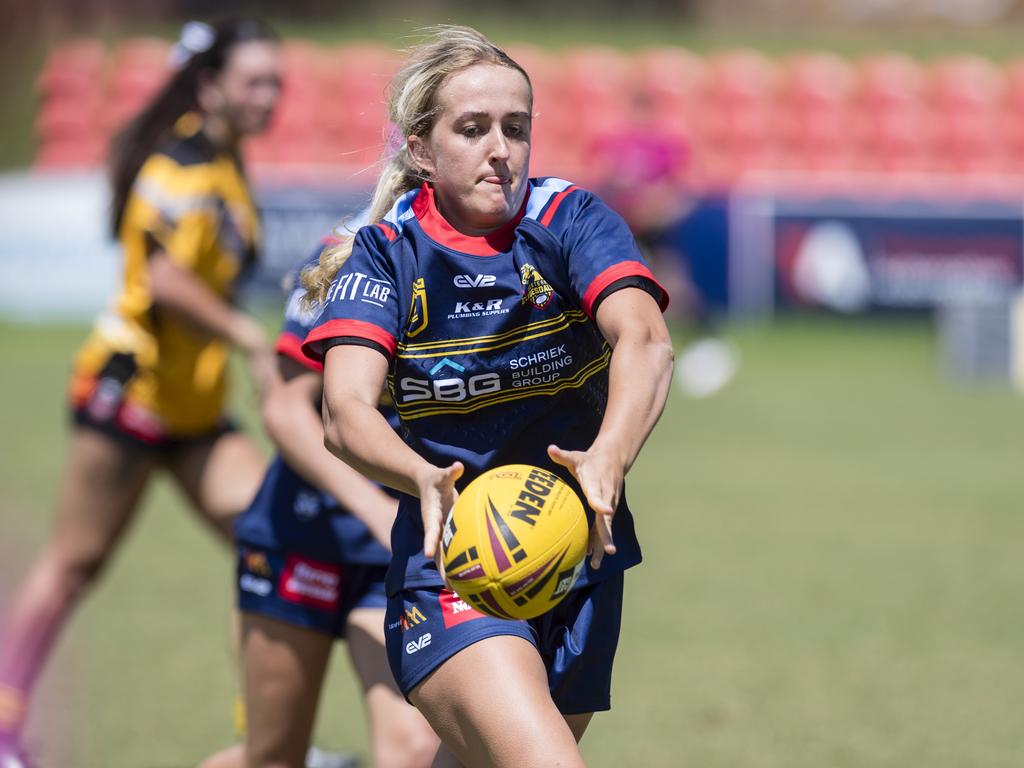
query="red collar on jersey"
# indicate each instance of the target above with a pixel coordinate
(439, 230)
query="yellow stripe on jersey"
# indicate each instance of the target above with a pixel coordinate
(420, 410)
(523, 333)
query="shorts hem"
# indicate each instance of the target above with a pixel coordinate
(422, 672)
(298, 620)
(604, 706)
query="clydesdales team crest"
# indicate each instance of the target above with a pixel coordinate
(538, 290)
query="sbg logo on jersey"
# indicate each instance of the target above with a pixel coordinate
(474, 281)
(356, 285)
(451, 389)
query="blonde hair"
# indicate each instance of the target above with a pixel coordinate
(413, 109)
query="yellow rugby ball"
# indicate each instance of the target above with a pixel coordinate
(514, 543)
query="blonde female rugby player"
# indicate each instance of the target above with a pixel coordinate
(469, 276)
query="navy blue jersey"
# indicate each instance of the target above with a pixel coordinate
(288, 512)
(493, 349)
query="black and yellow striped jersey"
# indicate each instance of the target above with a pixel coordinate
(190, 200)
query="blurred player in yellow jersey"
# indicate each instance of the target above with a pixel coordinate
(148, 387)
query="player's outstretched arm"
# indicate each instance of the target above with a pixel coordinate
(357, 433)
(638, 385)
(184, 295)
(293, 423)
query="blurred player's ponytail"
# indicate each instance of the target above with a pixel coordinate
(412, 109)
(202, 49)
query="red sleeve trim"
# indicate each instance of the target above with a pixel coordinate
(332, 329)
(388, 231)
(549, 214)
(290, 345)
(617, 272)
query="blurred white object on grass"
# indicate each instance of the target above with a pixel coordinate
(706, 366)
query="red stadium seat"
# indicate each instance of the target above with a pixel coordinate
(1011, 116)
(892, 125)
(139, 69)
(77, 154)
(353, 103)
(738, 124)
(75, 67)
(72, 89)
(67, 119)
(597, 88)
(965, 95)
(673, 77)
(815, 109)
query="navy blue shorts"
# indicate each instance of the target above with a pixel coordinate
(576, 639)
(304, 592)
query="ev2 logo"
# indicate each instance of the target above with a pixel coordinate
(451, 389)
(417, 645)
(474, 281)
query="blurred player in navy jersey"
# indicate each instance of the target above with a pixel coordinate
(313, 549)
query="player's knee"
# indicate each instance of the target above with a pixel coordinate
(70, 575)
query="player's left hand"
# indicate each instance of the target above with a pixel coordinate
(600, 477)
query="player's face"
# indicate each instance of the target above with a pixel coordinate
(247, 89)
(478, 153)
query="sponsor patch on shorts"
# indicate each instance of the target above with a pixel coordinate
(455, 610)
(309, 582)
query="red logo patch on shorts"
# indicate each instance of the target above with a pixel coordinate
(455, 610)
(308, 582)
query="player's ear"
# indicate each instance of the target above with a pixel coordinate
(420, 154)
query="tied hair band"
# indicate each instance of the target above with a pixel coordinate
(196, 37)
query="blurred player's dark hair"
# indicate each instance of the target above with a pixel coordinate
(144, 133)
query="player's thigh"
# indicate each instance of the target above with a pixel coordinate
(401, 735)
(283, 669)
(577, 724)
(102, 483)
(491, 706)
(220, 476)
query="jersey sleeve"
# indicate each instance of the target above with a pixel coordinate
(298, 321)
(175, 208)
(603, 257)
(362, 304)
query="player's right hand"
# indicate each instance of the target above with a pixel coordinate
(437, 497)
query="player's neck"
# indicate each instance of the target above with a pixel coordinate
(220, 133)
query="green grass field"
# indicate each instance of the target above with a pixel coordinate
(833, 574)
